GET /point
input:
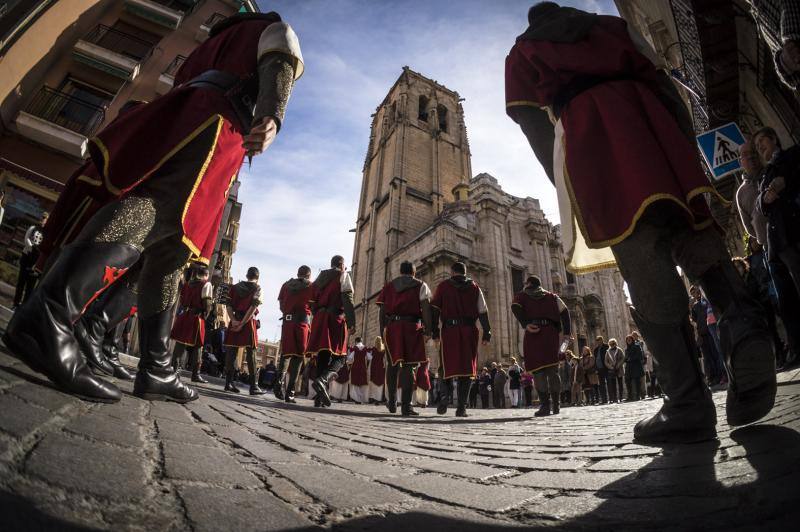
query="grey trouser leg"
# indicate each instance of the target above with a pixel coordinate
(547, 380)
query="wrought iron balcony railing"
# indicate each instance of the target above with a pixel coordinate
(67, 111)
(120, 42)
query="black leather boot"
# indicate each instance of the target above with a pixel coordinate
(555, 403)
(688, 413)
(544, 407)
(112, 355)
(391, 388)
(294, 370)
(406, 392)
(746, 344)
(444, 397)
(41, 334)
(194, 364)
(320, 384)
(277, 387)
(103, 316)
(463, 392)
(156, 380)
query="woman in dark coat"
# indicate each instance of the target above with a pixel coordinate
(634, 368)
(485, 386)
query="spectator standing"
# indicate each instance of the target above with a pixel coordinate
(514, 379)
(485, 386)
(590, 381)
(634, 368)
(615, 362)
(575, 378)
(711, 357)
(474, 391)
(27, 261)
(498, 387)
(527, 387)
(565, 374)
(600, 348)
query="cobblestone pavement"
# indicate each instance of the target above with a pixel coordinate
(239, 463)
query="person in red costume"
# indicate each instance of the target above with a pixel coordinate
(243, 300)
(610, 129)
(358, 359)
(195, 305)
(405, 319)
(295, 299)
(167, 166)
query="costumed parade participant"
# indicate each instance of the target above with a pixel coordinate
(339, 386)
(377, 371)
(359, 358)
(458, 302)
(195, 304)
(243, 300)
(422, 384)
(545, 319)
(294, 299)
(405, 319)
(334, 319)
(229, 100)
(597, 81)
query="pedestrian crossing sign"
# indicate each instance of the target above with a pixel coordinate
(720, 147)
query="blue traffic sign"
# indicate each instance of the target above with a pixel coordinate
(720, 149)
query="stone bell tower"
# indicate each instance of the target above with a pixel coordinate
(418, 152)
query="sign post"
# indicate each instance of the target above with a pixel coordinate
(720, 148)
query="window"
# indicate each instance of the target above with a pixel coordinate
(126, 39)
(517, 280)
(441, 113)
(423, 108)
(85, 101)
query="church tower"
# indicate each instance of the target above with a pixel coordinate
(418, 153)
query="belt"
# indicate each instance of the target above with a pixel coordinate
(241, 93)
(300, 317)
(452, 322)
(397, 317)
(542, 322)
(578, 86)
(333, 310)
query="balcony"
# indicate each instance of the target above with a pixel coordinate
(60, 121)
(167, 78)
(205, 27)
(114, 52)
(165, 13)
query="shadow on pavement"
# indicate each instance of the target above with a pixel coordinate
(18, 514)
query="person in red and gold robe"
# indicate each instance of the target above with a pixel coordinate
(358, 359)
(243, 301)
(405, 319)
(295, 302)
(168, 166)
(459, 303)
(422, 384)
(545, 319)
(194, 306)
(334, 319)
(622, 137)
(377, 371)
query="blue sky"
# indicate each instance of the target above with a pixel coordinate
(300, 198)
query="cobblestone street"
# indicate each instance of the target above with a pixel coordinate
(239, 463)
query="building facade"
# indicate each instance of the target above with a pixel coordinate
(420, 203)
(718, 60)
(66, 69)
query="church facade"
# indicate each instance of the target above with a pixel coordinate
(419, 202)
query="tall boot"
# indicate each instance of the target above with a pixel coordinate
(463, 393)
(111, 353)
(102, 316)
(407, 391)
(277, 387)
(544, 406)
(391, 387)
(746, 344)
(325, 374)
(41, 331)
(688, 413)
(445, 396)
(251, 368)
(555, 404)
(194, 363)
(294, 369)
(156, 380)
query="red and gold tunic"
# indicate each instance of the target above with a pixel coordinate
(457, 302)
(329, 327)
(540, 349)
(134, 147)
(358, 369)
(618, 148)
(377, 367)
(243, 295)
(422, 378)
(190, 327)
(295, 297)
(404, 334)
